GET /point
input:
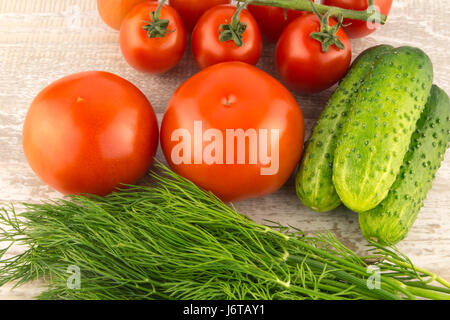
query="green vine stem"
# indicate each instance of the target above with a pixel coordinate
(157, 27)
(235, 29)
(328, 34)
(305, 5)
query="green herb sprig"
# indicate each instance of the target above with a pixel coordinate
(176, 241)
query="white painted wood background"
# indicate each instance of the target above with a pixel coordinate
(43, 40)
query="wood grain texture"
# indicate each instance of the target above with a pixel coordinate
(43, 40)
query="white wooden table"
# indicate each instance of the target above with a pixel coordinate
(43, 40)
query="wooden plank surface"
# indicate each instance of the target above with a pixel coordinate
(43, 40)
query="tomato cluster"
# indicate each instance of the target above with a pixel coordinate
(232, 129)
(153, 36)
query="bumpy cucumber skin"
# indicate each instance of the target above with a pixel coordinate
(314, 178)
(377, 135)
(391, 220)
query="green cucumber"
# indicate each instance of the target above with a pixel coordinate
(314, 178)
(391, 220)
(376, 137)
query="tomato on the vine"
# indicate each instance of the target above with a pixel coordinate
(191, 10)
(234, 130)
(113, 12)
(358, 28)
(226, 33)
(273, 20)
(152, 37)
(90, 132)
(304, 63)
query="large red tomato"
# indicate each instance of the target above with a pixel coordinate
(208, 49)
(273, 20)
(152, 53)
(192, 10)
(234, 130)
(358, 28)
(90, 132)
(301, 61)
(113, 12)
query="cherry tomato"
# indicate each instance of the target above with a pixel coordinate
(209, 50)
(273, 20)
(152, 54)
(113, 12)
(191, 10)
(234, 130)
(358, 28)
(90, 132)
(302, 64)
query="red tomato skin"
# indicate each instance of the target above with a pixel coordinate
(113, 12)
(156, 55)
(272, 21)
(208, 49)
(302, 64)
(223, 97)
(89, 132)
(191, 10)
(358, 28)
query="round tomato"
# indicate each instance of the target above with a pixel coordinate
(233, 130)
(358, 28)
(301, 61)
(209, 49)
(113, 12)
(191, 10)
(90, 132)
(273, 20)
(144, 46)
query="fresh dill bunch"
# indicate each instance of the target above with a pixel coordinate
(176, 241)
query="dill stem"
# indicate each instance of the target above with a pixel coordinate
(427, 286)
(354, 267)
(360, 283)
(360, 294)
(428, 294)
(426, 272)
(314, 293)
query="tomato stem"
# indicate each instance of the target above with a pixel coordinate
(327, 35)
(157, 27)
(304, 5)
(234, 30)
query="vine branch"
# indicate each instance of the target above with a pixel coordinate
(305, 5)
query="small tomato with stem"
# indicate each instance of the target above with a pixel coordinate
(153, 38)
(313, 53)
(226, 33)
(358, 28)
